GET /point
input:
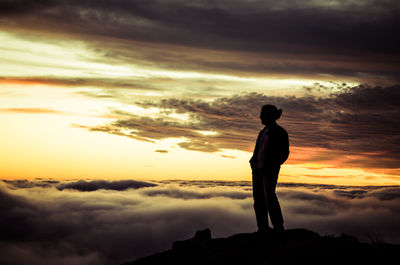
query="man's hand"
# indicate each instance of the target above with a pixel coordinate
(252, 163)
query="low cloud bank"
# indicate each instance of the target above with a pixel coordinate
(93, 185)
(45, 224)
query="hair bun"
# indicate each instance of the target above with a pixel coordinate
(272, 110)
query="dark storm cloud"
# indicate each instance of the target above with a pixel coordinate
(44, 225)
(301, 36)
(341, 123)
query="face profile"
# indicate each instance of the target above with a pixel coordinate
(266, 118)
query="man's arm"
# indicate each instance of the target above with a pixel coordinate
(253, 159)
(284, 147)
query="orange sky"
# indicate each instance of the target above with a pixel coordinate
(125, 106)
(44, 136)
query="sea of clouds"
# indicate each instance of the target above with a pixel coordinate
(109, 222)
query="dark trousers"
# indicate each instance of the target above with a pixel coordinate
(265, 200)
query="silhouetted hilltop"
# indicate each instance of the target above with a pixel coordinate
(294, 246)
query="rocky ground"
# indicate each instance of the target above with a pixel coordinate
(293, 246)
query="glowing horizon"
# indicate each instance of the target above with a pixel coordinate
(58, 142)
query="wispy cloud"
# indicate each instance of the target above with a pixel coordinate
(97, 82)
(161, 151)
(338, 125)
(30, 110)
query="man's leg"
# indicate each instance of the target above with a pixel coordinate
(272, 203)
(260, 208)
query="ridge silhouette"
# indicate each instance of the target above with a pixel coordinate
(293, 246)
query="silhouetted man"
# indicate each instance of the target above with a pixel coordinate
(270, 152)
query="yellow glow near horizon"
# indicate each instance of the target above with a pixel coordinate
(329, 174)
(46, 144)
(51, 148)
(36, 144)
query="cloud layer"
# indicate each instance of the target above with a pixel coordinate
(45, 225)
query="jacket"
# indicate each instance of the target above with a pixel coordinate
(277, 150)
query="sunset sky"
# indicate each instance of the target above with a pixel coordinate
(172, 89)
(126, 125)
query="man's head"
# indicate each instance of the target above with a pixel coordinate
(269, 114)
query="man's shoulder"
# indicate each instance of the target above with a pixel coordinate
(278, 129)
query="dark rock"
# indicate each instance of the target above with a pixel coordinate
(203, 234)
(293, 246)
(199, 238)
